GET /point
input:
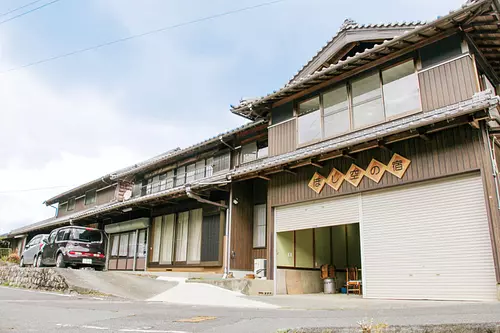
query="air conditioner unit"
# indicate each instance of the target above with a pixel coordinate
(259, 268)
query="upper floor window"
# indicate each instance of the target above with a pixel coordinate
(180, 178)
(401, 89)
(309, 120)
(71, 204)
(367, 105)
(440, 51)
(221, 162)
(90, 197)
(253, 150)
(190, 173)
(361, 102)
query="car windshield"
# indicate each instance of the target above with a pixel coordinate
(86, 235)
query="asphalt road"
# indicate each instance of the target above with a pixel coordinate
(30, 311)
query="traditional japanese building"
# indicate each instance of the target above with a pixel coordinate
(383, 161)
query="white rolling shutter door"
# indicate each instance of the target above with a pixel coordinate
(316, 214)
(428, 241)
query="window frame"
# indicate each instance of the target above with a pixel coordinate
(259, 246)
(348, 84)
(90, 201)
(70, 207)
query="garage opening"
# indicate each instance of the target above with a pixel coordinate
(301, 253)
(426, 240)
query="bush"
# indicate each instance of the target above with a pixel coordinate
(13, 258)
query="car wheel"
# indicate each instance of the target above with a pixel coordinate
(60, 261)
(21, 262)
(38, 262)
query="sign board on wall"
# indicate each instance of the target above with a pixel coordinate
(375, 171)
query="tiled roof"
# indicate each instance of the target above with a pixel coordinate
(413, 36)
(161, 159)
(350, 24)
(482, 100)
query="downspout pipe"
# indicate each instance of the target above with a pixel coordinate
(225, 143)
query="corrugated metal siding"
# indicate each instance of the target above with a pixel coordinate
(447, 84)
(451, 151)
(317, 214)
(428, 241)
(282, 138)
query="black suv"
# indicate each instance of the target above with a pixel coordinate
(74, 246)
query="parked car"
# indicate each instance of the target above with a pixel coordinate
(74, 246)
(32, 250)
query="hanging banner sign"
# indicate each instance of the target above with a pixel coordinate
(335, 179)
(354, 175)
(375, 171)
(317, 182)
(398, 165)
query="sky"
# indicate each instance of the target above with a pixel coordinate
(68, 121)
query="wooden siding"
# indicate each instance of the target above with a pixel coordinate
(452, 151)
(282, 138)
(241, 226)
(106, 195)
(450, 83)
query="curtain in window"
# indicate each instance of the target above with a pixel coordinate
(167, 239)
(367, 101)
(309, 121)
(132, 244)
(259, 226)
(114, 245)
(141, 244)
(156, 238)
(123, 245)
(209, 168)
(194, 241)
(336, 119)
(170, 179)
(181, 237)
(249, 152)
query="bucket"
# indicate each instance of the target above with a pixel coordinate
(328, 286)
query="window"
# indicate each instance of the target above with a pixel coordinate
(156, 238)
(194, 236)
(180, 178)
(221, 162)
(167, 239)
(309, 121)
(181, 238)
(60, 235)
(282, 113)
(401, 90)
(52, 237)
(263, 151)
(259, 226)
(163, 182)
(367, 101)
(209, 167)
(122, 249)
(200, 170)
(114, 245)
(249, 152)
(86, 235)
(440, 51)
(141, 244)
(90, 197)
(71, 204)
(190, 173)
(170, 179)
(336, 118)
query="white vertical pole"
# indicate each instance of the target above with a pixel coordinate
(136, 243)
(275, 263)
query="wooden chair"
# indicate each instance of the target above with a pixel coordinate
(353, 284)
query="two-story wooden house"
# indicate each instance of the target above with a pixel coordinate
(382, 163)
(172, 212)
